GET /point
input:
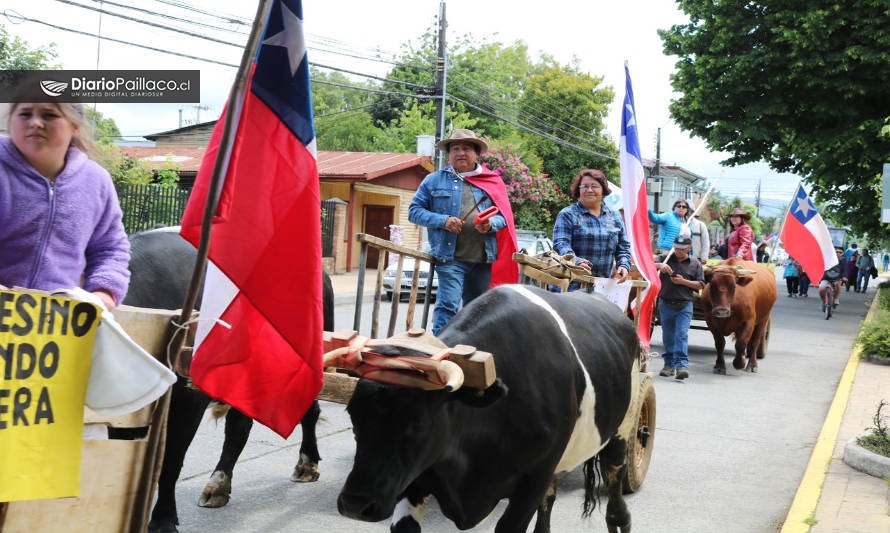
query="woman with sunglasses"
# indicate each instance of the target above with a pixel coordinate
(671, 224)
(591, 231)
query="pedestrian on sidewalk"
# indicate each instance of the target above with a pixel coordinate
(681, 277)
(864, 264)
(850, 269)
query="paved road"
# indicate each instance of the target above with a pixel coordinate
(728, 456)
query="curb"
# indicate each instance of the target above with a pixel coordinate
(810, 488)
(865, 460)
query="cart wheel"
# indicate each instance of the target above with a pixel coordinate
(764, 341)
(639, 448)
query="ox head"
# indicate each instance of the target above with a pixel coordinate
(722, 281)
(401, 430)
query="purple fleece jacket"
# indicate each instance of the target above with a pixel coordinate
(61, 235)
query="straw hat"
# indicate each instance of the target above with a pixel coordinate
(463, 135)
(740, 212)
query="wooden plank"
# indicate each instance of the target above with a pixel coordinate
(110, 471)
(551, 266)
(478, 366)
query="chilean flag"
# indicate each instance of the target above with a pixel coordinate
(806, 236)
(259, 342)
(636, 215)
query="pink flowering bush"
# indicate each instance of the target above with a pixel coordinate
(535, 198)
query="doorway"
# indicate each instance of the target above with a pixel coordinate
(378, 218)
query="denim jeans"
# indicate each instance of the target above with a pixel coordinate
(458, 282)
(675, 334)
(862, 280)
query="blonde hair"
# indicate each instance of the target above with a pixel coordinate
(73, 113)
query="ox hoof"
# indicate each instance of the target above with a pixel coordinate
(738, 363)
(720, 370)
(306, 471)
(216, 491)
(752, 369)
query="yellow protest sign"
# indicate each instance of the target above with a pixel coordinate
(46, 346)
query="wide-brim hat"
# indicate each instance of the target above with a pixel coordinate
(463, 135)
(682, 242)
(740, 212)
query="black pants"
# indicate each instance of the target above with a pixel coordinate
(793, 284)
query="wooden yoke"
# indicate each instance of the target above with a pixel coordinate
(477, 366)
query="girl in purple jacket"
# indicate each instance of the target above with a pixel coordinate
(60, 220)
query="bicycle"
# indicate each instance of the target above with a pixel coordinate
(828, 301)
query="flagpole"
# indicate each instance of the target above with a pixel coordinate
(153, 450)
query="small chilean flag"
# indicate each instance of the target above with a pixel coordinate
(806, 236)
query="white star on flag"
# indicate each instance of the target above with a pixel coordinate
(290, 38)
(803, 205)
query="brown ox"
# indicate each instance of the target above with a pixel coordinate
(737, 299)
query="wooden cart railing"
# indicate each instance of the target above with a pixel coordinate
(385, 246)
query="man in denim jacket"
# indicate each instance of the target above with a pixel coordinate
(469, 257)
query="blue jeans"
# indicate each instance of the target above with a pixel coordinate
(458, 281)
(862, 280)
(675, 334)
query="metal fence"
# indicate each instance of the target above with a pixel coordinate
(328, 208)
(149, 206)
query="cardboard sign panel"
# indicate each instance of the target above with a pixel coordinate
(46, 346)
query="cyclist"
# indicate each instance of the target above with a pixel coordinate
(833, 277)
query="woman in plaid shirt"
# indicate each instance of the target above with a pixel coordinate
(591, 231)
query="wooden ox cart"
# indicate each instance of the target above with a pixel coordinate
(698, 318)
(550, 269)
(117, 476)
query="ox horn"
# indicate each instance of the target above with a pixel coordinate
(744, 271)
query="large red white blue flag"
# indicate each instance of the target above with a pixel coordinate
(259, 344)
(806, 236)
(636, 215)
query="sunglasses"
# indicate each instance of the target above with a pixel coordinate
(681, 205)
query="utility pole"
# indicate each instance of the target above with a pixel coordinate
(656, 171)
(441, 79)
(757, 198)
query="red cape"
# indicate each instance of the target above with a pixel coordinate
(504, 269)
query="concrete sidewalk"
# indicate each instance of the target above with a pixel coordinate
(832, 497)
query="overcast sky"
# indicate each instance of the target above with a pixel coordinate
(601, 34)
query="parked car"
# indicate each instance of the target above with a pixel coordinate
(389, 279)
(532, 242)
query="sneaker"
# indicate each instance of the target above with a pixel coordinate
(667, 371)
(682, 373)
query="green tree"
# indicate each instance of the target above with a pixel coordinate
(105, 130)
(800, 87)
(574, 135)
(534, 198)
(16, 54)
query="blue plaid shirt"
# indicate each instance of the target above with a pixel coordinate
(601, 240)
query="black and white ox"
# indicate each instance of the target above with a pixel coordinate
(567, 376)
(161, 264)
